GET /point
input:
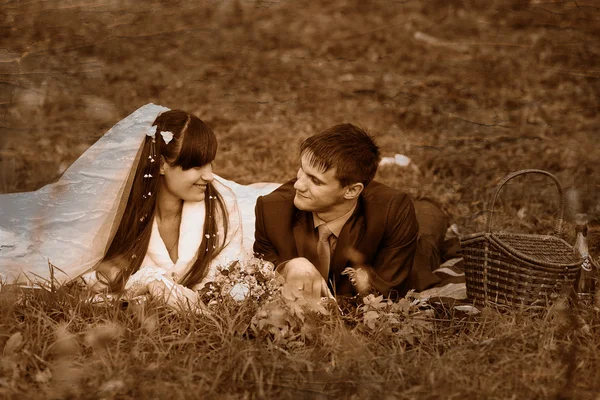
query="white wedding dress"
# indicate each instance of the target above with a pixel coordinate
(62, 231)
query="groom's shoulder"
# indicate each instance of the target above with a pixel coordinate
(379, 201)
(377, 192)
(283, 194)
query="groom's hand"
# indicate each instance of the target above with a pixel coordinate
(303, 278)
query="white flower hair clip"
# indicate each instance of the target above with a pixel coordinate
(151, 132)
(166, 135)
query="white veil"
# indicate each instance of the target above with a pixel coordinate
(70, 223)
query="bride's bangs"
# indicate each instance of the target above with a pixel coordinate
(198, 146)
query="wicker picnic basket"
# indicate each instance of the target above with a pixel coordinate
(518, 269)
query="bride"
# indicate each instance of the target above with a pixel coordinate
(140, 211)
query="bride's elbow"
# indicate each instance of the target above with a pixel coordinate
(103, 276)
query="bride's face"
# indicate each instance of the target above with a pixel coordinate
(188, 185)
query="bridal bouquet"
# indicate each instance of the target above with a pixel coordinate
(255, 279)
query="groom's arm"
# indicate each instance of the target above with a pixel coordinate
(262, 245)
(391, 268)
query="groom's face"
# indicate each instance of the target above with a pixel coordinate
(317, 191)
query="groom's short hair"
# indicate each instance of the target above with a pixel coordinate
(347, 148)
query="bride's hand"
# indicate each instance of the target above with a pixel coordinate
(176, 296)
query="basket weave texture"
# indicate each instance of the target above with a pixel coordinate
(518, 269)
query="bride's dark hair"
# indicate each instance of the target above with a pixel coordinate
(193, 145)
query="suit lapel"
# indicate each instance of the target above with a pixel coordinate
(304, 236)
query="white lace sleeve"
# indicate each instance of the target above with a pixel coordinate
(156, 281)
(137, 283)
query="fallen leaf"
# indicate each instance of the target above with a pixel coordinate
(112, 385)
(43, 376)
(370, 318)
(13, 343)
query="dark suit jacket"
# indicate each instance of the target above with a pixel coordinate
(383, 229)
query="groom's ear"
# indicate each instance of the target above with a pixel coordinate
(353, 190)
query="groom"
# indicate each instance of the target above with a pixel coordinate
(333, 216)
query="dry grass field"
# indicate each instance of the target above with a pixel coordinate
(469, 90)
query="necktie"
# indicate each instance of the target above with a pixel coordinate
(324, 251)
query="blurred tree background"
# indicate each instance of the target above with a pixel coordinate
(470, 90)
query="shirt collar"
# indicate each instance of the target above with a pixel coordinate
(337, 224)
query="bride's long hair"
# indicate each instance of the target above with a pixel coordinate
(193, 145)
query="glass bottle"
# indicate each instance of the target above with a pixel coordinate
(586, 281)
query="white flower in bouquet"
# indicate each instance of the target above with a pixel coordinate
(239, 291)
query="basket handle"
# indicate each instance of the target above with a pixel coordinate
(561, 204)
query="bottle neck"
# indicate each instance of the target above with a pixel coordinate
(581, 244)
(581, 228)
